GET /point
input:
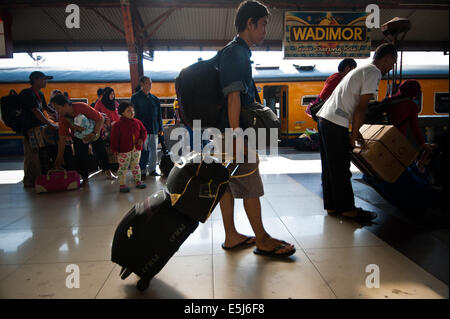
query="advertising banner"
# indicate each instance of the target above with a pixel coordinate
(326, 35)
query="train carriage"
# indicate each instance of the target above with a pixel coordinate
(286, 88)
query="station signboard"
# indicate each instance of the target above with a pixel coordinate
(326, 35)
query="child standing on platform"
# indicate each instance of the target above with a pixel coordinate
(127, 138)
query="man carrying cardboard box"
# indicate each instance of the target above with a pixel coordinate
(348, 104)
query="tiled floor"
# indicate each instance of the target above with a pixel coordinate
(42, 235)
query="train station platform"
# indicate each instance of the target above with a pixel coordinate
(41, 234)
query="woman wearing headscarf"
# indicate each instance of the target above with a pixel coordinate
(108, 105)
(405, 113)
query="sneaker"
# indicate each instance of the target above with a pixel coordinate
(124, 189)
(140, 185)
(154, 173)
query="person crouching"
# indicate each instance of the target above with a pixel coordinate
(127, 138)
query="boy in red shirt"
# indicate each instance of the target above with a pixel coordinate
(127, 138)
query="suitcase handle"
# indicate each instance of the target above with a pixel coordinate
(183, 160)
(55, 171)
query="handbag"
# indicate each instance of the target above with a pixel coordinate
(261, 118)
(57, 180)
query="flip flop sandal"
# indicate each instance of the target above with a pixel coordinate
(244, 243)
(363, 216)
(273, 253)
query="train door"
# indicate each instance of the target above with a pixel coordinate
(276, 97)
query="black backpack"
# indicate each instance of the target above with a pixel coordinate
(375, 110)
(12, 114)
(198, 92)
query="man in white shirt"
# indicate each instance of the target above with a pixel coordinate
(348, 104)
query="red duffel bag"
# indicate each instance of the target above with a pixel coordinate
(56, 181)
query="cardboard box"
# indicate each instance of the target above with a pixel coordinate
(386, 154)
(393, 140)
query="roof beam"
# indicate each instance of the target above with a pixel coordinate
(163, 18)
(325, 5)
(274, 45)
(64, 30)
(115, 27)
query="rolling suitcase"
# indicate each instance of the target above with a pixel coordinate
(200, 182)
(148, 236)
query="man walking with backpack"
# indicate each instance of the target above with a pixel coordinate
(32, 101)
(237, 85)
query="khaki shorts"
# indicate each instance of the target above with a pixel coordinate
(249, 185)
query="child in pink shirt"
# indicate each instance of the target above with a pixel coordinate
(127, 137)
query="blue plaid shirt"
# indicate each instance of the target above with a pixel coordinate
(236, 75)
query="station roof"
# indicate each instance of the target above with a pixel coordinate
(198, 24)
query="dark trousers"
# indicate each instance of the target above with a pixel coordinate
(82, 155)
(47, 156)
(335, 158)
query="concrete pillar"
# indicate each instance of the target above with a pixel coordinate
(133, 56)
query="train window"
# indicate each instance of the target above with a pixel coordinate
(308, 99)
(271, 95)
(123, 99)
(167, 111)
(79, 99)
(441, 103)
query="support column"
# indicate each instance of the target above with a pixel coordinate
(131, 43)
(140, 56)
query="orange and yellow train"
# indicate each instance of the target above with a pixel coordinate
(288, 90)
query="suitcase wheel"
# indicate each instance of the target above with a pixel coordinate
(143, 284)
